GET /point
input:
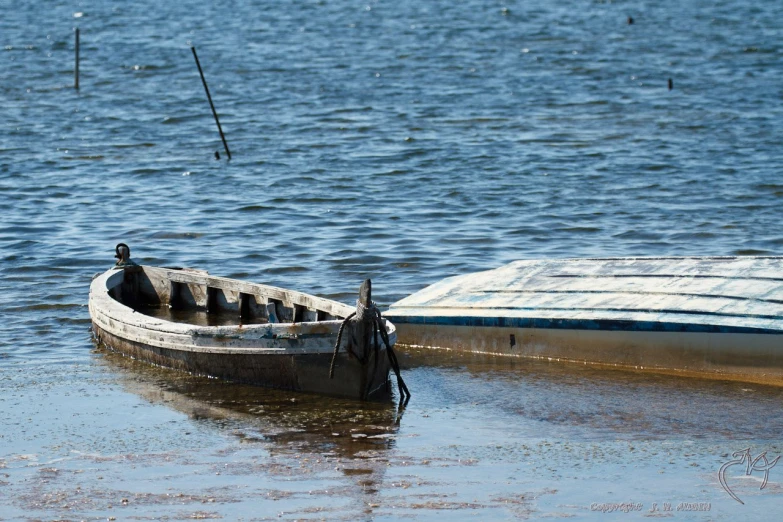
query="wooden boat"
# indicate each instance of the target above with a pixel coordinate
(189, 320)
(712, 316)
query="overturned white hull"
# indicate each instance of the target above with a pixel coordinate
(713, 316)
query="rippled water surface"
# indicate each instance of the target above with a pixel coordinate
(402, 141)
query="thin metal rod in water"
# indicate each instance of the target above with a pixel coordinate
(76, 68)
(214, 112)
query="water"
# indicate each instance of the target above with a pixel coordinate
(199, 317)
(402, 141)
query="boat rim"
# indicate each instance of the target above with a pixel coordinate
(100, 302)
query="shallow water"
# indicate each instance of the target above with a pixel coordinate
(401, 141)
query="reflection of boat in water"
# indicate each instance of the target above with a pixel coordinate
(244, 332)
(268, 441)
(284, 422)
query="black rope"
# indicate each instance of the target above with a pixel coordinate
(337, 344)
(405, 394)
(376, 348)
(378, 327)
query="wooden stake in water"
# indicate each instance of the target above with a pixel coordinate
(76, 68)
(214, 112)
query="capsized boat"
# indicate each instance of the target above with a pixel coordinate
(252, 333)
(712, 316)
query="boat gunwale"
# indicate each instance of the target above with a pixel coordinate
(104, 309)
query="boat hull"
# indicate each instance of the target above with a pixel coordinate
(711, 317)
(260, 350)
(743, 357)
(302, 372)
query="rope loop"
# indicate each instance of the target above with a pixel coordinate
(361, 310)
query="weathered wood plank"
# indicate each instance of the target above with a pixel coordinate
(721, 291)
(288, 297)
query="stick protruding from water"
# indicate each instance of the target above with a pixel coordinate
(76, 65)
(212, 105)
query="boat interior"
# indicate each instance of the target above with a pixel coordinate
(185, 295)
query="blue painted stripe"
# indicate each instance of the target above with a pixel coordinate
(571, 309)
(666, 276)
(576, 324)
